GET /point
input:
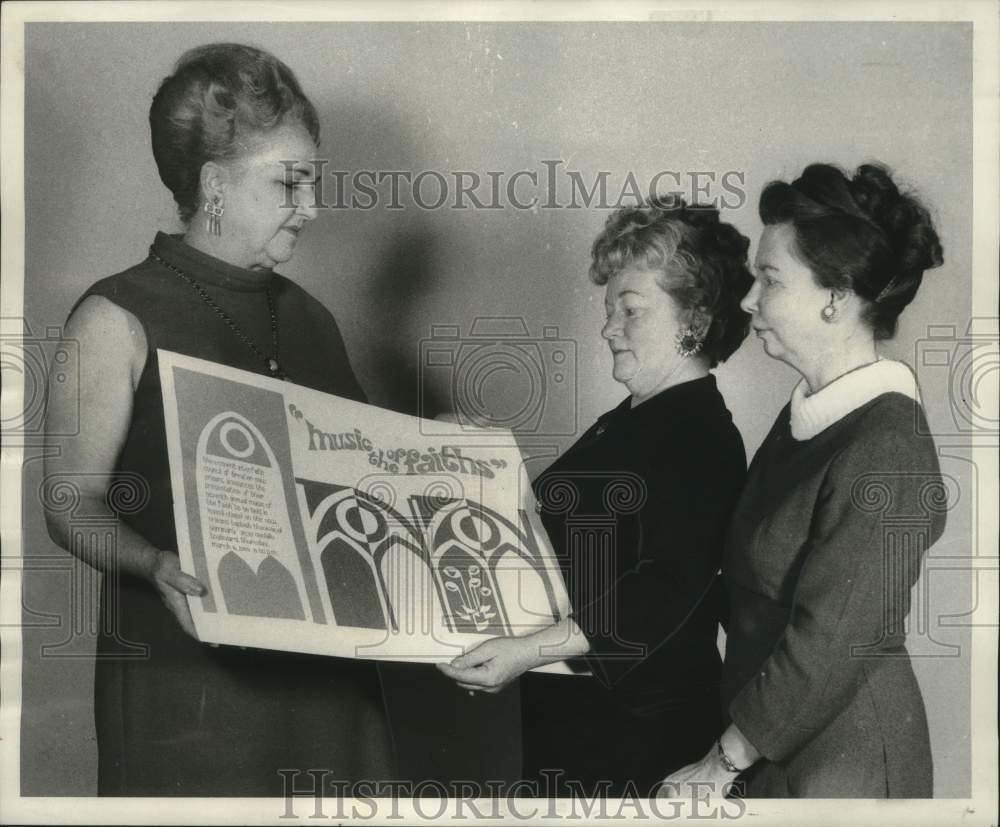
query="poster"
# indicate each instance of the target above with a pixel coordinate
(327, 526)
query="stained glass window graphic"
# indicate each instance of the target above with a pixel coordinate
(479, 560)
(327, 526)
(245, 522)
(454, 558)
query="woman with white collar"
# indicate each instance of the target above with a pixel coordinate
(842, 499)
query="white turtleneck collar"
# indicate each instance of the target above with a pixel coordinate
(813, 413)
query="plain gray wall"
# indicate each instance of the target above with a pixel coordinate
(763, 99)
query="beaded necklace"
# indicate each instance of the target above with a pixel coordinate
(271, 362)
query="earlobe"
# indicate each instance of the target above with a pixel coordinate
(213, 184)
(700, 322)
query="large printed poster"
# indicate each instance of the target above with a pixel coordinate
(328, 526)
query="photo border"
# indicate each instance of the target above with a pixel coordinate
(980, 808)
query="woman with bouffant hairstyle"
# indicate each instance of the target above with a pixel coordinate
(703, 261)
(219, 98)
(636, 511)
(842, 500)
(233, 135)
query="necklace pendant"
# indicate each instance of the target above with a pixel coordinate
(272, 365)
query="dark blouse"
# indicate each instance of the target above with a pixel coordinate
(637, 511)
(653, 487)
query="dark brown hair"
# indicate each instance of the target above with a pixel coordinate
(860, 234)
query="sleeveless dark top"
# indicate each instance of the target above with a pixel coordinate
(175, 716)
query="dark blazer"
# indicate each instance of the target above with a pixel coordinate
(823, 549)
(636, 511)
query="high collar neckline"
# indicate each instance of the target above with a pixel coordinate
(812, 414)
(655, 405)
(207, 269)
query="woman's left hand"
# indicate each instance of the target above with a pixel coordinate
(708, 776)
(492, 665)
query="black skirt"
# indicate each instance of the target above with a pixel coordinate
(581, 738)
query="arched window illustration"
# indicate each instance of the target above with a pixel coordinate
(359, 543)
(245, 525)
(479, 559)
(449, 559)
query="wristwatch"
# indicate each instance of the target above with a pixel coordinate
(725, 760)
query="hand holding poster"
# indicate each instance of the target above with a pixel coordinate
(324, 525)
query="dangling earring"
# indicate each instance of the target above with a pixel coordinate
(215, 210)
(829, 313)
(689, 341)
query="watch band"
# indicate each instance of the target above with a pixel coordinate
(725, 760)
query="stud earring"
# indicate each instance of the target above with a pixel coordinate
(214, 209)
(689, 341)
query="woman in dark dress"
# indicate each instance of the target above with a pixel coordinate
(636, 511)
(174, 716)
(842, 500)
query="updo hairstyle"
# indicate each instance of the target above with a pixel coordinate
(860, 234)
(219, 98)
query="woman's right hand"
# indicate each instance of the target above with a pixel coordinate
(174, 586)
